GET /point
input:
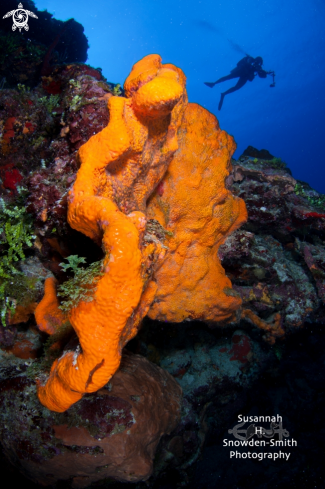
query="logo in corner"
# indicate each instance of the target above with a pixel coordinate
(20, 18)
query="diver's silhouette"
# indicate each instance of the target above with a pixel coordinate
(246, 70)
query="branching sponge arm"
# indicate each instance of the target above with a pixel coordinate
(120, 168)
(99, 324)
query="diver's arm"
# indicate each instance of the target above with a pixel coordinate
(262, 73)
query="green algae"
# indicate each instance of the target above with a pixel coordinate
(16, 234)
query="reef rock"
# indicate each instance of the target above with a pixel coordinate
(276, 261)
(257, 153)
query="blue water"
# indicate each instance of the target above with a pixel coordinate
(206, 39)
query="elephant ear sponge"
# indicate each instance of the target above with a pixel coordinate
(193, 203)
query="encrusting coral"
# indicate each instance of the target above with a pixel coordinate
(150, 130)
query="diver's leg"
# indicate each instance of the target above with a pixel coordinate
(241, 82)
(221, 101)
(227, 77)
(224, 78)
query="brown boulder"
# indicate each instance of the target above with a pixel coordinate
(112, 433)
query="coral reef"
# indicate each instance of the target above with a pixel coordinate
(24, 59)
(275, 263)
(276, 260)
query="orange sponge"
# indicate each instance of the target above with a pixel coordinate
(120, 167)
(47, 313)
(154, 145)
(194, 205)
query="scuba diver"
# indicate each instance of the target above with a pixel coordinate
(246, 70)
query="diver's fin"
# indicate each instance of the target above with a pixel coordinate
(209, 84)
(221, 101)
